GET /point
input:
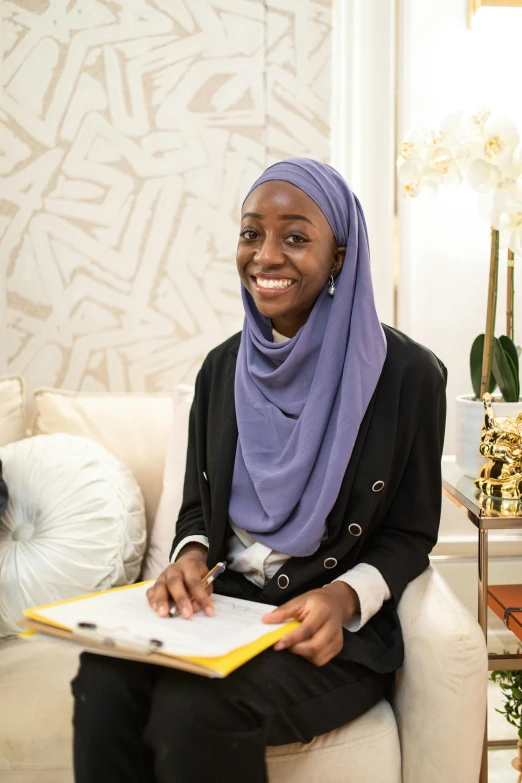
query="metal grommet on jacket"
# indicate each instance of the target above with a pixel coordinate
(283, 581)
(378, 486)
(354, 529)
(330, 562)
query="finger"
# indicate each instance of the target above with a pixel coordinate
(195, 605)
(320, 658)
(178, 592)
(199, 594)
(158, 594)
(288, 611)
(305, 631)
(320, 646)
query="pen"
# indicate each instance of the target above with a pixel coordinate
(206, 581)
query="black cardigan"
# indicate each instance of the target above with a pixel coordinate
(387, 512)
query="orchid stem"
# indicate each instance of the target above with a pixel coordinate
(489, 336)
(510, 304)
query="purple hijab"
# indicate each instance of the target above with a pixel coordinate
(299, 404)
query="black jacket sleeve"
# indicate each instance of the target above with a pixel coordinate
(3, 492)
(400, 549)
(190, 519)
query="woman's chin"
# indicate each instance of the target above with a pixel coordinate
(270, 311)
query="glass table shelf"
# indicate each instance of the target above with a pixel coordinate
(486, 513)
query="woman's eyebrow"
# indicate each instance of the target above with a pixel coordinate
(296, 217)
(282, 217)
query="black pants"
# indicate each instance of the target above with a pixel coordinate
(139, 723)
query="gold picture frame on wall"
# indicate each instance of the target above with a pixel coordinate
(474, 5)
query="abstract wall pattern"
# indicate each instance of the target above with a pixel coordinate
(131, 130)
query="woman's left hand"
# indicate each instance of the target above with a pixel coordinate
(322, 613)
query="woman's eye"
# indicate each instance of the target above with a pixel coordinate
(248, 233)
(296, 239)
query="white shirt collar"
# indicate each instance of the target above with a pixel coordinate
(279, 338)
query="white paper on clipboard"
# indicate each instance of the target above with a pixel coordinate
(126, 614)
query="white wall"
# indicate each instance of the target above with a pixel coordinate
(445, 244)
(363, 98)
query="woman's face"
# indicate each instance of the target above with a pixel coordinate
(285, 254)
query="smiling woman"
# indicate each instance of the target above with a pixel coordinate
(313, 468)
(286, 252)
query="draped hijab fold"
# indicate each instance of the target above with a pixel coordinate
(299, 404)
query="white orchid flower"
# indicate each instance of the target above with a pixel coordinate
(480, 118)
(510, 227)
(415, 175)
(508, 193)
(451, 136)
(501, 138)
(481, 146)
(483, 176)
(414, 145)
(467, 128)
(442, 161)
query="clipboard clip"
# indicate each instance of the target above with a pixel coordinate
(90, 632)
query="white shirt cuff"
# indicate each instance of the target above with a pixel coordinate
(188, 540)
(369, 584)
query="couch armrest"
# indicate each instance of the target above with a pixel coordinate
(440, 694)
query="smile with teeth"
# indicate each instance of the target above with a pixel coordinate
(264, 283)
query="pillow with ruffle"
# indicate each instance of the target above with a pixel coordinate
(74, 523)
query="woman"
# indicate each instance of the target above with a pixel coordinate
(313, 467)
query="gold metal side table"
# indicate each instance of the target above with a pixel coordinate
(486, 514)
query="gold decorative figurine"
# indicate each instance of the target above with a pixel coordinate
(501, 443)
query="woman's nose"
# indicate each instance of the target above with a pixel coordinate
(269, 252)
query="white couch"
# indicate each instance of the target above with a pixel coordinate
(431, 732)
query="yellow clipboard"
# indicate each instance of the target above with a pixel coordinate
(34, 622)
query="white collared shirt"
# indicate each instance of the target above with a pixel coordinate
(259, 564)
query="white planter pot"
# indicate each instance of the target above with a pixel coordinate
(468, 425)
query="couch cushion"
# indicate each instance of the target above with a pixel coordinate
(35, 719)
(74, 524)
(36, 732)
(164, 527)
(134, 427)
(12, 409)
(366, 750)
(440, 693)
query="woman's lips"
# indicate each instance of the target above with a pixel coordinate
(270, 292)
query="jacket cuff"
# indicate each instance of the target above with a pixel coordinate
(188, 540)
(372, 590)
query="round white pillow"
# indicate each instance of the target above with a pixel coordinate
(74, 524)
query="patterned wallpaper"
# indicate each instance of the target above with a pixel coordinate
(131, 131)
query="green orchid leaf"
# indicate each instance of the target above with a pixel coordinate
(510, 348)
(505, 373)
(475, 366)
(515, 376)
(515, 391)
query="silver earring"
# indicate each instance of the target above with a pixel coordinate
(331, 286)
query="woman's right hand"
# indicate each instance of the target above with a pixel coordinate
(182, 582)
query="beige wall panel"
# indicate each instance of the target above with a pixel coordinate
(298, 78)
(131, 131)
